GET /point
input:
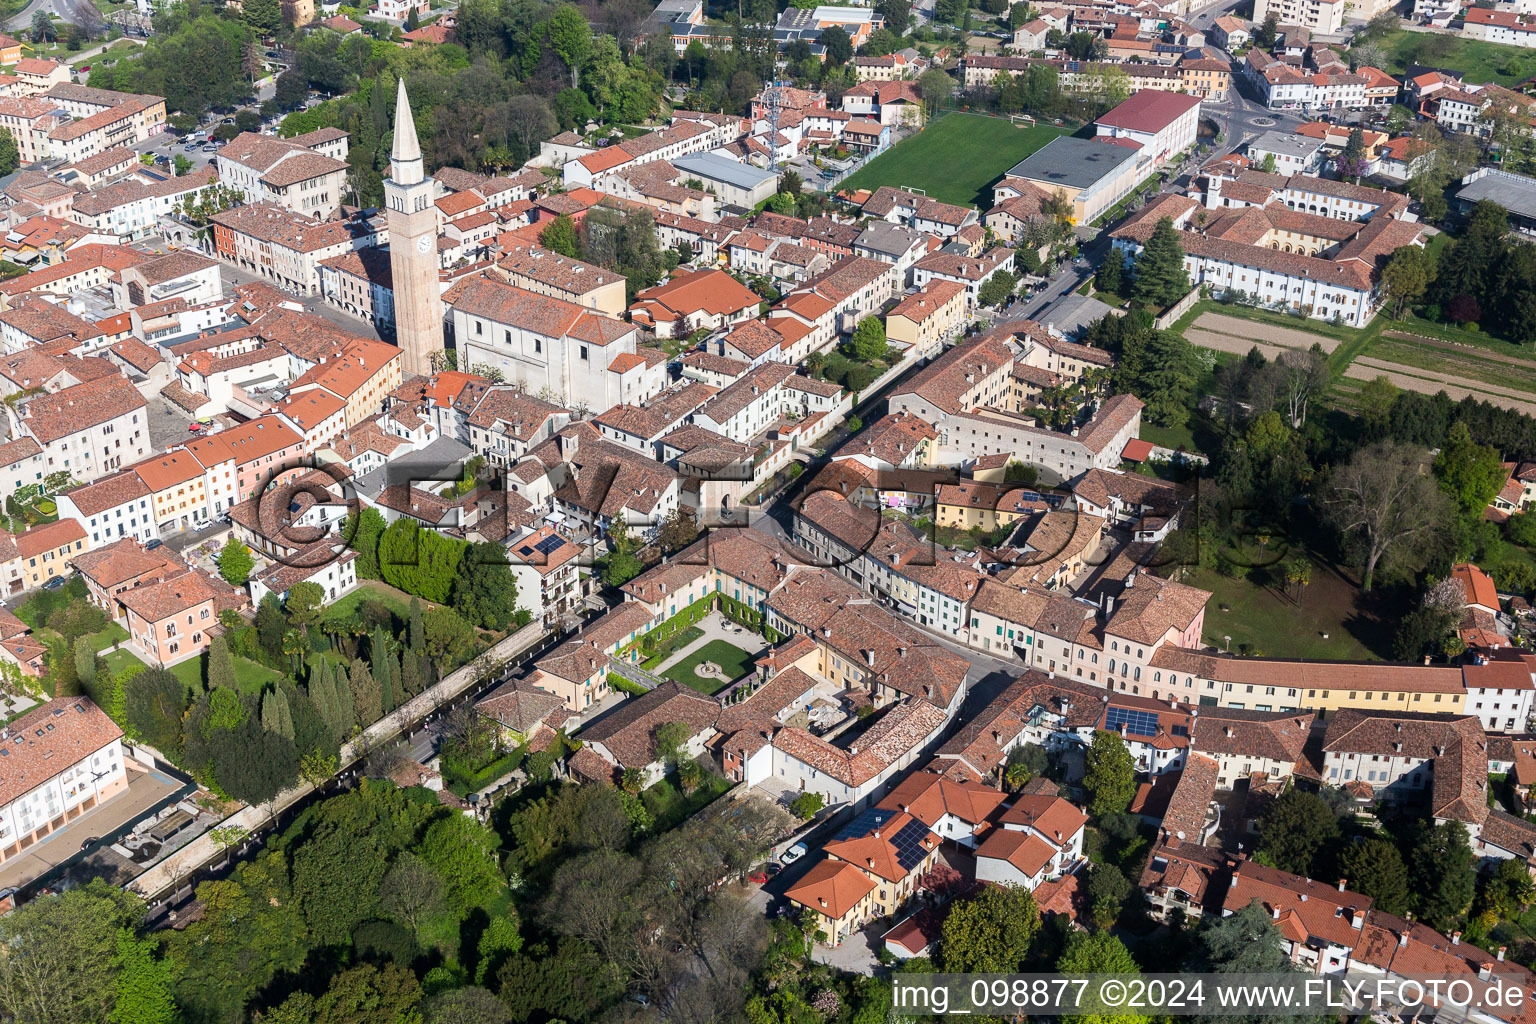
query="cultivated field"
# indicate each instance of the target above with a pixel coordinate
(955, 159)
(1238, 336)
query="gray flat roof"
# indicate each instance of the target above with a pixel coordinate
(1073, 312)
(1515, 192)
(722, 168)
(442, 460)
(1072, 162)
(1285, 144)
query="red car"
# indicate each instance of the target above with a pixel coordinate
(758, 876)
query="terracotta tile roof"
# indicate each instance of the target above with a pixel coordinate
(928, 797)
(979, 742)
(901, 729)
(1184, 866)
(49, 537)
(942, 382)
(49, 740)
(1330, 914)
(522, 708)
(1274, 735)
(108, 493)
(1025, 851)
(659, 414)
(155, 602)
(876, 850)
(1055, 818)
(628, 732)
(832, 887)
(704, 291)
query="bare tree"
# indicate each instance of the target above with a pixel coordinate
(1303, 375)
(1383, 499)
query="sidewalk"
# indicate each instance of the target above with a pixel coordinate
(203, 849)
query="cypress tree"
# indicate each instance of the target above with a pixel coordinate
(364, 687)
(276, 716)
(323, 694)
(418, 631)
(410, 673)
(341, 700)
(221, 666)
(389, 690)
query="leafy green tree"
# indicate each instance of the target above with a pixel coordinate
(250, 932)
(469, 1005)
(1375, 868)
(221, 665)
(570, 37)
(1161, 279)
(463, 853)
(85, 665)
(235, 563)
(62, 959)
(623, 563)
(1098, 953)
(1469, 472)
(484, 591)
(1296, 830)
(264, 16)
(10, 156)
(419, 562)
(363, 531)
(1162, 369)
(1406, 277)
(671, 741)
(998, 289)
(1442, 875)
(416, 634)
(154, 701)
(560, 236)
(868, 344)
(371, 995)
(935, 86)
(144, 984)
(839, 48)
(251, 764)
(1109, 773)
(450, 640)
(807, 805)
(1108, 889)
(990, 932)
(305, 602)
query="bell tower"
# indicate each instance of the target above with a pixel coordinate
(409, 195)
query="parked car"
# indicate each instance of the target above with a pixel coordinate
(194, 426)
(156, 543)
(54, 583)
(758, 877)
(794, 853)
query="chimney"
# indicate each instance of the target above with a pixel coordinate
(1232, 883)
(1228, 731)
(901, 652)
(1484, 971)
(1342, 883)
(1303, 897)
(1274, 912)
(1501, 953)
(1402, 940)
(870, 861)
(869, 658)
(822, 900)
(1455, 938)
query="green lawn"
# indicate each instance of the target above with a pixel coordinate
(1477, 60)
(1261, 619)
(668, 805)
(119, 660)
(366, 591)
(113, 634)
(735, 661)
(251, 676)
(956, 158)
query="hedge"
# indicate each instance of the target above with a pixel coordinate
(462, 781)
(619, 684)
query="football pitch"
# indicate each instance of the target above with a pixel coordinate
(956, 158)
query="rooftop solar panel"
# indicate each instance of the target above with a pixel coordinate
(864, 824)
(1137, 723)
(908, 842)
(550, 543)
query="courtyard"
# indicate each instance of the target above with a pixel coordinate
(722, 655)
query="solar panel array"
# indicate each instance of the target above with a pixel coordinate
(864, 824)
(1137, 723)
(909, 844)
(550, 543)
